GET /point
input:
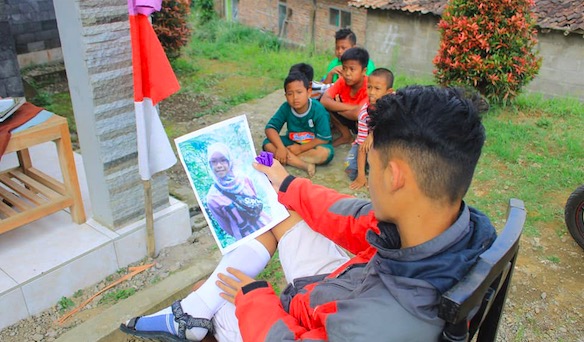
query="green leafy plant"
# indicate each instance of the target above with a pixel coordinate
(488, 45)
(171, 26)
(114, 296)
(206, 10)
(65, 304)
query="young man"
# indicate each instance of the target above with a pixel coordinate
(348, 95)
(413, 241)
(307, 140)
(344, 40)
(380, 83)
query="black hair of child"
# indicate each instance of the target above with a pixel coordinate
(438, 130)
(346, 33)
(303, 68)
(356, 54)
(296, 76)
(384, 73)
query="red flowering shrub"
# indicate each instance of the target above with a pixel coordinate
(488, 45)
(171, 27)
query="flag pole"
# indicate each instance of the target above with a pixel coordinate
(149, 214)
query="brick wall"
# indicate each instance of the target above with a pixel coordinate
(325, 32)
(33, 24)
(263, 14)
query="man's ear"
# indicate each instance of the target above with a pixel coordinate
(397, 175)
(389, 91)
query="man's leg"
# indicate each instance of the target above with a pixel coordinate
(251, 258)
(303, 252)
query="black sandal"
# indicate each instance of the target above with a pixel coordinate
(185, 321)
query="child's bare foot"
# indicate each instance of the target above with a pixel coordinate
(310, 169)
(342, 140)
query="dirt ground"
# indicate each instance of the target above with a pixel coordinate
(546, 301)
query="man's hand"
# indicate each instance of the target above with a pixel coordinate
(231, 286)
(276, 173)
(281, 155)
(294, 149)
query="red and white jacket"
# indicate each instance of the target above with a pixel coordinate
(384, 293)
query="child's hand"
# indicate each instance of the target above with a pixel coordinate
(281, 155)
(338, 98)
(366, 145)
(338, 70)
(359, 182)
(294, 149)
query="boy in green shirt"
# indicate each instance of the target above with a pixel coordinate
(344, 40)
(307, 140)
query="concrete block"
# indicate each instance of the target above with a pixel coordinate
(6, 283)
(13, 307)
(25, 38)
(48, 24)
(171, 227)
(84, 271)
(36, 46)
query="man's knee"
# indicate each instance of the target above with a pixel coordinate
(283, 227)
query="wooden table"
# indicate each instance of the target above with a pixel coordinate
(26, 193)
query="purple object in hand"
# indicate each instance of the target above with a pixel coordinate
(265, 158)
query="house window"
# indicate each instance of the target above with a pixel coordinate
(339, 18)
(282, 18)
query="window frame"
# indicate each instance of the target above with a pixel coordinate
(339, 16)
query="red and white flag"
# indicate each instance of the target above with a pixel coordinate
(154, 81)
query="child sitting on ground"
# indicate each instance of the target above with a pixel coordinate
(347, 96)
(307, 140)
(344, 40)
(380, 83)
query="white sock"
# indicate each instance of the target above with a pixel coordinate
(250, 258)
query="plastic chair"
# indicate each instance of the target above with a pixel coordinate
(475, 304)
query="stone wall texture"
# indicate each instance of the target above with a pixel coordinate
(10, 81)
(33, 25)
(100, 79)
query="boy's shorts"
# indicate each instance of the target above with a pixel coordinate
(350, 124)
(303, 253)
(287, 142)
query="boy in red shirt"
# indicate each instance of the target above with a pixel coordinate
(346, 97)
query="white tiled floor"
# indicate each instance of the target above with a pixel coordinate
(54, 257)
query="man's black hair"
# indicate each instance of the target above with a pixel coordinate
(296, 76)
(346, 33)
(438, 131)
(304, 68)
(386, 74)
(356, 54)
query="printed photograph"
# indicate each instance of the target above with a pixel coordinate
(238, 202)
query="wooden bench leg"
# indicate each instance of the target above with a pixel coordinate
(24, 159)
(70, 180)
